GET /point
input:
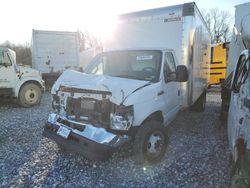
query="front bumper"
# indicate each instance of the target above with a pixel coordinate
(85, 139)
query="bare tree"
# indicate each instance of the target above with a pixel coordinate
(219, 23)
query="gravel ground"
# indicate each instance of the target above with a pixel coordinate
(197, 155)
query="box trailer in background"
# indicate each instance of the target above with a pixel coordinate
(218, 64)
(55, 51)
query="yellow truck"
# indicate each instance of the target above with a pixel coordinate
(218, 66)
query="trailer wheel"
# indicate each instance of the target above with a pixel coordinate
(29, 95)
(200, 104)
(150, 143)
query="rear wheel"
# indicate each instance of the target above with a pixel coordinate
(150, 142)
(29, 95)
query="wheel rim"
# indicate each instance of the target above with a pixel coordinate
(155, 144)
(31, 96)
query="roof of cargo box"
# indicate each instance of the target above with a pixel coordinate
(186, 9)
(54, 32)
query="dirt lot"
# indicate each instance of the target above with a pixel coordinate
(197, 155)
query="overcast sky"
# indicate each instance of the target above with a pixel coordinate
(19, 17)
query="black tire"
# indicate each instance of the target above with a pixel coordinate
(144, 150)
(29, 95)
(200, 104)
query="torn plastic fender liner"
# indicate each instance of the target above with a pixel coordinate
(91, 142)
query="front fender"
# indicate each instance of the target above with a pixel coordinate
(146, 102)
(144, 109)
(25, 80)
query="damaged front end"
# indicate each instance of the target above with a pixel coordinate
(87, 122)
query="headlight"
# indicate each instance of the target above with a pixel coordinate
(122, 119)
(52, 118)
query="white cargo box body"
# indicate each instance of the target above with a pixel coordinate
(240, 34)
(55, 51)
(180, 28)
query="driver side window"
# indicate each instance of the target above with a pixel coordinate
(169, 67)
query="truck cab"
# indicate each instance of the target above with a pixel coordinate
(19, 82)
(235, 97)
(239, 119)
(123, 95)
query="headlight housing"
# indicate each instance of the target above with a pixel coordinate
(122, 118)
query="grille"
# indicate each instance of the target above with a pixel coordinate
(96, 111)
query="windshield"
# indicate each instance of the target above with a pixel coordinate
(139, 64)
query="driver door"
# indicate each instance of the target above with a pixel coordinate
(235, 112)
(171, 88)
(7, 71)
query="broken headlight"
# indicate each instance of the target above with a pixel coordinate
(122, 118)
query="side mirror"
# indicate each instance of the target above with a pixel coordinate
(182, 73)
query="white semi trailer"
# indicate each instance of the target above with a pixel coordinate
(238, 72)
(156, 65)
(55, 51)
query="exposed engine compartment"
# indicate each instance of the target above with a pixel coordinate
(90, 106)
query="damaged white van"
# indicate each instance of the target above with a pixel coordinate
(157, 66)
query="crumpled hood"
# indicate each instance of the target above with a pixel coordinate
(119, 87)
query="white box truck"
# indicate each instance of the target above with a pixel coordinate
(156, 65)
(239, 96)
(55, 51)
(22, 83)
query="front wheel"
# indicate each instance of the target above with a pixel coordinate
(29, 95)
(150, 142)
